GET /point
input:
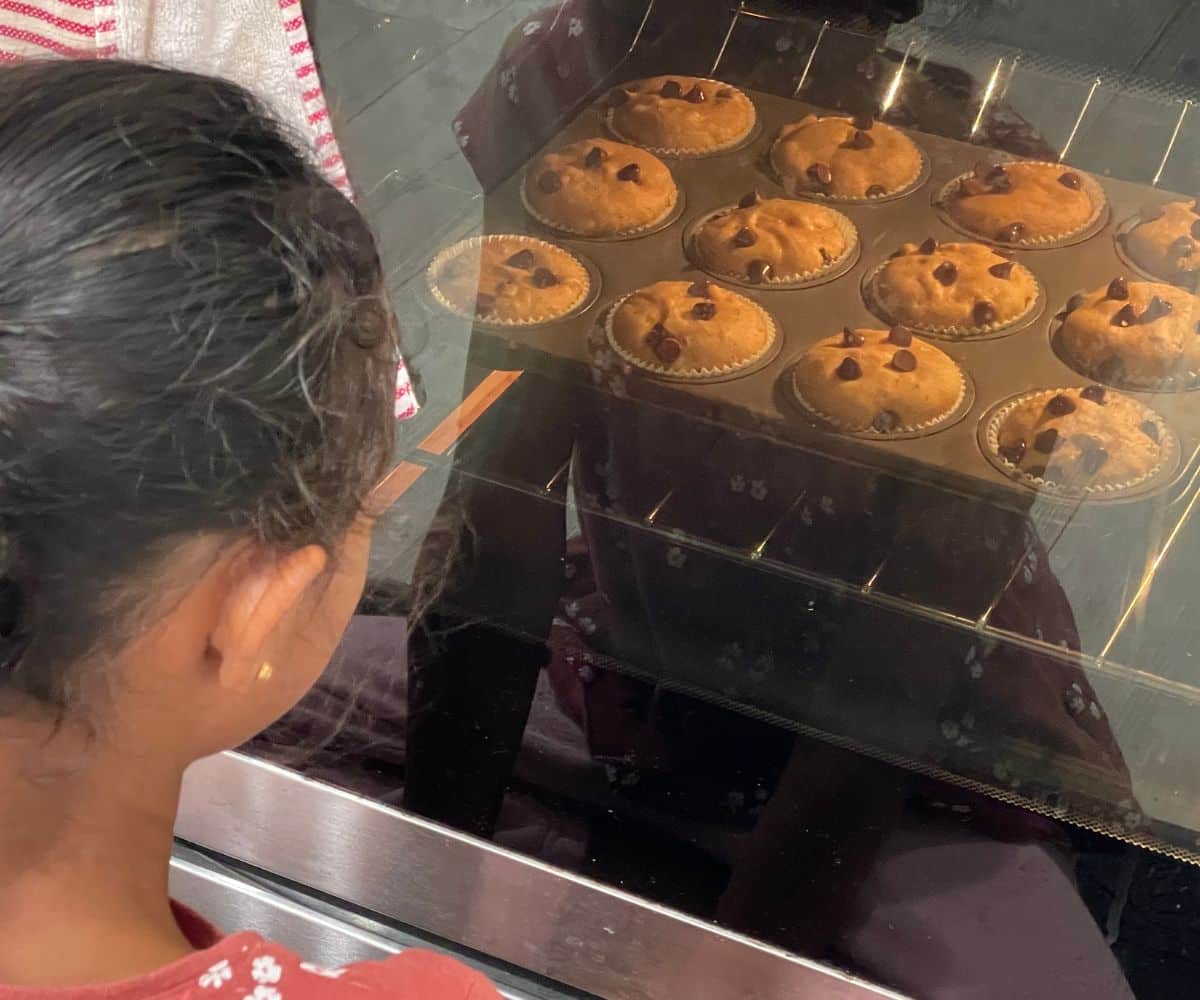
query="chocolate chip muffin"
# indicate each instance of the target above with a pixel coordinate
(1166, 243)
(690, 328)
(774, 240)
(509, 280)
(885, 381)
(1089, 438)
(1023, 203)
(681, 115)
(1133, 333)
(852, 158)
(600, 188)
(952, 288)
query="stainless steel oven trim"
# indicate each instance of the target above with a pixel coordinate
(482, 897)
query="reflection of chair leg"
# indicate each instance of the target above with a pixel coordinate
(475, 657)
(468, 704)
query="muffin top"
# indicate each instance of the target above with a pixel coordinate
(1089, 437)
(1022, 202)
(597, 187)
(510, 279)
(844, 157)
(885, 380)
(1167, 243)
(681, 114)
(953, 287)
(690, 327)
(1133, 331)
(774, 239)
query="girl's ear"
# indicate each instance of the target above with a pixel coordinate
(262, 591)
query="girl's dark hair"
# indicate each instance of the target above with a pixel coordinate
(193, 339)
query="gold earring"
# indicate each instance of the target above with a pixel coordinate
(265, 672)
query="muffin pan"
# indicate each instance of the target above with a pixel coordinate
(757, 398)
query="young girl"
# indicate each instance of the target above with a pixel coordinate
(196, 388)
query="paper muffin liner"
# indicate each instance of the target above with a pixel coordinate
(692, 374)
(789, 183)
(668, 218)
(684, 153)
(590, 292)
(1093, 225)
(1181, 382)
(835, 268)
(955, 413)
(988, 331)
(1188, 284)
(989, 437)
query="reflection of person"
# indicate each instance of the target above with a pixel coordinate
(196, 390)
(826, 817)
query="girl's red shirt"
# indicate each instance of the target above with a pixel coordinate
(246, 967)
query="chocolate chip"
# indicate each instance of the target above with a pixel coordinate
(617, 97)
(671, 89)
(1196, 229)
(1060, 406)
(543, 277)
(549, 182)
(858, 140)
(1118, 289)
(1012, 452)
(749, 200)
(821, 174)
(875, 190)
(1046, 441)
(994, 173)
(1075, 301)
(1125, 316)
(851, 338)
(983, 313)
(863, 122)
(886, 420)
(522, 259)
(904, 361)
(595, 157)
(484, 303)
(849, 370)
(1150, 429)
(655, 334)
(758, 271)
(668, 350)
(1182, 247)
(900, 336)
(698, 289)
(946, 273)
(826, 257)
(928, 245)
(725, 94)
(1014, 232)
(1157, 308)
(695, 95)
(1037, 471)
(1095, 393)
(1111, 370)
(1001, 270)
(744, 237)
(704, 310)
(629, 172)
(1070, 180)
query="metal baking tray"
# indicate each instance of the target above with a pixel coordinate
(758, 400)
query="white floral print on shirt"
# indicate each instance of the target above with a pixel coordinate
(216, 976)
(265, 969)
(264, 993)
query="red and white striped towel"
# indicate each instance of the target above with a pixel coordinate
(261, 44)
